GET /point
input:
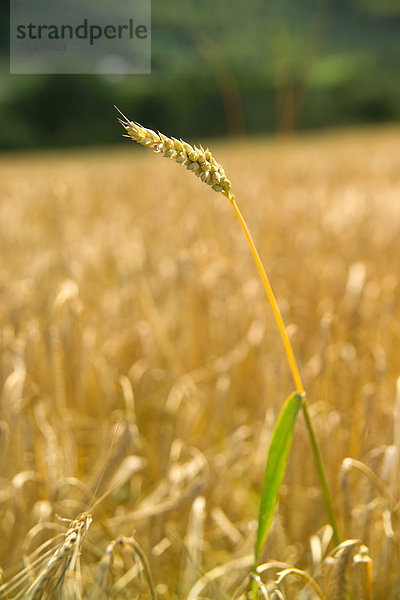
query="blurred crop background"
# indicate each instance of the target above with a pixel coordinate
(138, 356)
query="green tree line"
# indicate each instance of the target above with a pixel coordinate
(223, 68)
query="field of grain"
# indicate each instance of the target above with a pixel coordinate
(141, 370)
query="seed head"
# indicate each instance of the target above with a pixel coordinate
(196, 159)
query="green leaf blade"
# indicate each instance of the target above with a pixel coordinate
(275, 468)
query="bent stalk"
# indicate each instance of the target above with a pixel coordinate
(294, 370)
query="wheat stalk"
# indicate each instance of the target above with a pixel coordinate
(203, 164)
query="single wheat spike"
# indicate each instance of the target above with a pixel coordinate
(60, 560)
(195, 159)
(204, 165)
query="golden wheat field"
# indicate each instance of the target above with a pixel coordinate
(142, 372)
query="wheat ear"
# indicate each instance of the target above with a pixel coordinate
(194, 158)
(61, 559)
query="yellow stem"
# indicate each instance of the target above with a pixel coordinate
(295, 373)
(271, 297)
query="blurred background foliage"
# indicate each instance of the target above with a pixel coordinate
(223, 68)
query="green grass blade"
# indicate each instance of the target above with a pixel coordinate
(275, 467)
